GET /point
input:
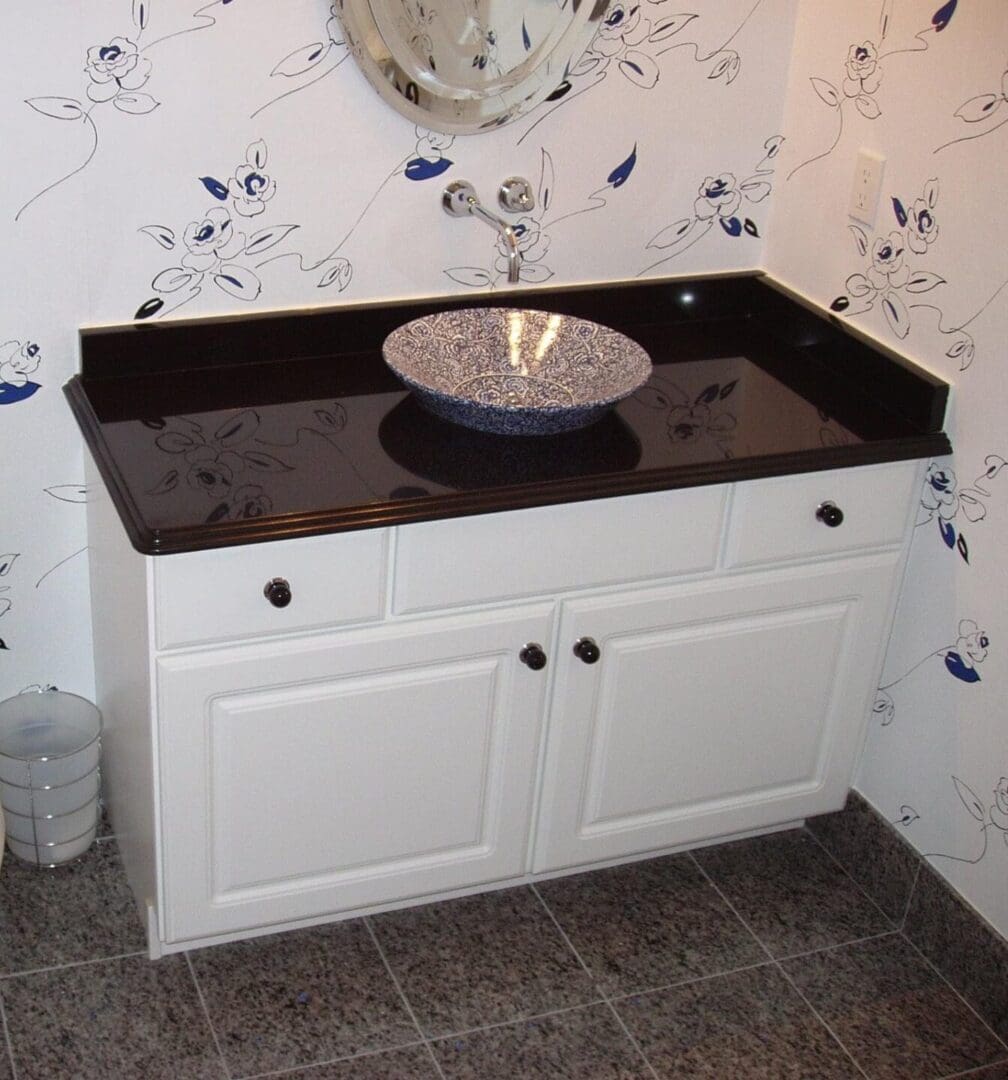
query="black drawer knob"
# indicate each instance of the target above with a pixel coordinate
(586, 649)
(278, 592)
(829, 514)
(533, 656)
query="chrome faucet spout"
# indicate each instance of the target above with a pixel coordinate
(459, 199)
(506, 233)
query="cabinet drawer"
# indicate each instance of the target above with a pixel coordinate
(556, 548)
(219, 595)
(775, 520)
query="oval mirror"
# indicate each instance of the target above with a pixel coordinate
(464, 66)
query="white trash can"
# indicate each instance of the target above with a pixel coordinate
(49, 778)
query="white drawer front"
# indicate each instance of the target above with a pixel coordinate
(775, 520)
(556, 548)
(219, 595)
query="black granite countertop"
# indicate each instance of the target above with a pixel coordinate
(226, 431)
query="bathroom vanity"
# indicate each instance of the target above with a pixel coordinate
(351, 657)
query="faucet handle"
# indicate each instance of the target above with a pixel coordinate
(515, 195)
(459, 198)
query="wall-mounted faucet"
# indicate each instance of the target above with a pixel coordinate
(459, 198)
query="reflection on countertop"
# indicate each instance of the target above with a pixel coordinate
(316, 435)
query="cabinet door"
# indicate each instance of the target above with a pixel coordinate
(712, 709)
(315, 775)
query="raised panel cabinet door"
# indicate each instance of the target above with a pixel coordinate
(325, 774)
(709, 709)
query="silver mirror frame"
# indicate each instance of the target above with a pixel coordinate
(430, 102)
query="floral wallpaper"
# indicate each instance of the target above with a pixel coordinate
(923, 84)
(194, 158)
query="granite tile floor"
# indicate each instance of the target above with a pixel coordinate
(755, 959)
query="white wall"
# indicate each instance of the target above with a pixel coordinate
(932, 102)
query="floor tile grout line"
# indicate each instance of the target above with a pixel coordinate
(777, 964)
(913, 891)
(563, 933)
(605, 996)
(7, 1039)
(691, 981)
(5, 976)
(894, 923)
(837, 945)
(974, 1071)
(443, 1037)
(731, 907)
(295, 1070)
(934, 967)
(822, 1020)
(406, 1001)
(633, 1042)
(206, 1016)
(901, 929)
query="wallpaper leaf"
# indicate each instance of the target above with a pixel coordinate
(161, 234)
(671, 24)
(60, 108)
(979, 108)
(970, 799)
(137, 104)
(265, 239)
(943, 16)
(826, 91)
(922, 281)
(215, 187)
(172, 279)
(302, 59)
(621, 173)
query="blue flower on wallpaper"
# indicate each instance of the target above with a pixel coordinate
(631, 39)
(960, 661)
(719, 201)
(218, 252)
(942, 501)
(429, 161)
(891, 283)
(888, 279)
(978, 111)
(531, 229)
(863, 71)
(116, 69)
(117, 72)
(17, 362)
(250, 188)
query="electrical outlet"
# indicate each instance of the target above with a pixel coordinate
(867, 187)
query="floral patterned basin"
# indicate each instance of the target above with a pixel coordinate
(515, 372)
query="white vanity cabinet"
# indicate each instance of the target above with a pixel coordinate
(305, 776)
(713, 708)
(382, 739)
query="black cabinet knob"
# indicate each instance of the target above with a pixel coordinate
(586, 649)
(829, 514)
(278, 592)
(532, 656)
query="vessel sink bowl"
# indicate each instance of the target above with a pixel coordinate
(514, 371)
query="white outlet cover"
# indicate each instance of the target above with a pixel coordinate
(866, 187)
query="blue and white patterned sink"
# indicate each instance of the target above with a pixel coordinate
(515, 372)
